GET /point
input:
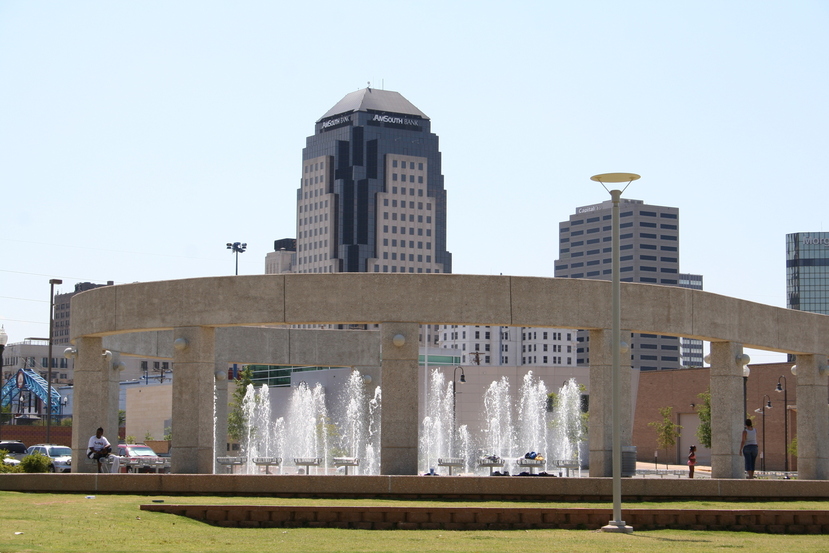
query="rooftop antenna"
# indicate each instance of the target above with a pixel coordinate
(368, 86)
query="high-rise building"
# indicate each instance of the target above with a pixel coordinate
(371, 196)
(63, 319)
(807, 271)
(692, 350)
(649, 253)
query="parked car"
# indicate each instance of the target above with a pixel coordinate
(60, 455)
(141, 458)
(14, 449)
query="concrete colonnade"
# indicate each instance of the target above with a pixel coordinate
(216, 320)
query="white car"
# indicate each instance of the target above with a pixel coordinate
(60, 456)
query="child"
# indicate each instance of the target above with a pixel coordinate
(692, 460)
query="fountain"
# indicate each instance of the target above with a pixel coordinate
(307, 438)
(510, 429)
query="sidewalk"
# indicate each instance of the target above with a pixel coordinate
(646, 469)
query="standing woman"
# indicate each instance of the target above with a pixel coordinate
(748, 447)
(692, 460)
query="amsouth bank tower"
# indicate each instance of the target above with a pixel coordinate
(372, 196)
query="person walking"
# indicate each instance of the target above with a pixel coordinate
(748, 447)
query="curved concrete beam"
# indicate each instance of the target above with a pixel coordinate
(366, 298)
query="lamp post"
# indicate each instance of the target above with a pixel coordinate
(762, 411)
(237, 248)
(746, 373)
(463, 379)
(617, 524)
(52, 283)
(4, 339)
(785, 420)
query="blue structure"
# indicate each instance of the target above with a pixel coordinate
(27, 379)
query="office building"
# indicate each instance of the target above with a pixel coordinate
(691, 350)
(649, 253)
(807, 271)
(283, 257)
(510, 346)
(371, 196)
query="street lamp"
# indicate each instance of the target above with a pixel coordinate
(617, 524)
(463, 379)
(746, 373)
(52, 283)
(237, 248)
(785, 420)
(4, 339)
(762, 411)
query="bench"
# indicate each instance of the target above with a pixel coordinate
(231, 462)
(531, 464)
(567, 465)
(451, 462)
(491, 463)
(307, 462)
(267, 462)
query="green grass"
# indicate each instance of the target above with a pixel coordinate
(114, 523)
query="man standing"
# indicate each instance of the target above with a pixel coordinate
(99, 447)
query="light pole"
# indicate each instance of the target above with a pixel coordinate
(762, 411)
(237, 248)
(785, 420)
(617, 524)
(4, 339)
(746, 373)
(454, 384)
(52, 283)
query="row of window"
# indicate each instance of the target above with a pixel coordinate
(403, 164)
(312, 232)
(310, 168)
(411, 190)
(312, 220)
(403, 269)
(317, 179)
(411, 217)
(402, 244)
(403, 230)
(403, 178)
(313, 206)
(403, 257)
(317, 244)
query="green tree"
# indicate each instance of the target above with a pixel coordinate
(666, 430)
(704, 411)
(236, 421)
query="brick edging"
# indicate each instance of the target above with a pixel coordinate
(489, 518)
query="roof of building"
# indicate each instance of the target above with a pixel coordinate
(373, 99)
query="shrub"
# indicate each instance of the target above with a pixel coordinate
(3, 466)
(35, 463)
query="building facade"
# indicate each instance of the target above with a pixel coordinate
(649, 253)
(510, 346)
(807, 271)
(371, 196)
(283, 257)
(692, 350)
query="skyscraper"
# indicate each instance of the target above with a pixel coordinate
(649, 253)
(371, 196)
(807, 271)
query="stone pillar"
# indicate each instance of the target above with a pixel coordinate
(812, 419)
(399, 425)
(727, 416)
(221, 409)
(193, 383)
(600, 433)
(95, 400)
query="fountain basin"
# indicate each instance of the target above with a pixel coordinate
(267, 462)
(231, 462)
(451, 462)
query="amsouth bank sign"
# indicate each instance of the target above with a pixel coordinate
(396, 120)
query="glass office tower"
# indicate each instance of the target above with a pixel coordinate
(807, 271)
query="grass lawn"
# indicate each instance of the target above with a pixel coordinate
(113, 523)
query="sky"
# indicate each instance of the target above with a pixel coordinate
(138, 138)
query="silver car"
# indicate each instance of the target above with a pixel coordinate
(60, 455)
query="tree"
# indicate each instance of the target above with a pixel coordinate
(666, 430)
(704, 411)
(236, 420)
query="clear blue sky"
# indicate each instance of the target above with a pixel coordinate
(137, 138)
